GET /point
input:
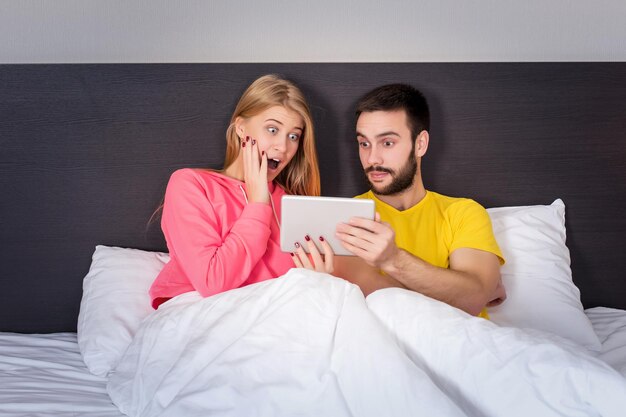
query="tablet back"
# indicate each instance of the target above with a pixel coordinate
(318, 216)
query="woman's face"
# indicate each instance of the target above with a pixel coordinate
(278, 131)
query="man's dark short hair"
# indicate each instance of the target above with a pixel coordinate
(393, 97)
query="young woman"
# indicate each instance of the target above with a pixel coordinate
(222, 227)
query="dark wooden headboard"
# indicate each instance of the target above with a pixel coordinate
(86, 152)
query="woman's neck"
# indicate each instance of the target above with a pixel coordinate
(235, 170)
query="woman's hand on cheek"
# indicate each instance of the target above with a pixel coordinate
(255, 171)
(314, 260)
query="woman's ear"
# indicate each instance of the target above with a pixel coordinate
(239, 127)
(421, 144)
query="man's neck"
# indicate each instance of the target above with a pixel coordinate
(406, 199)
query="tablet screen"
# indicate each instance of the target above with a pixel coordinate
(318, 216)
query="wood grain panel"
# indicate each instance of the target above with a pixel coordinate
(86, 152)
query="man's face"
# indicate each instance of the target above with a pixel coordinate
(387, 151)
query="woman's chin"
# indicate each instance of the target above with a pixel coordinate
(272, 174)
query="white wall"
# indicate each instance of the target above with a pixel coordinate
(104, 31)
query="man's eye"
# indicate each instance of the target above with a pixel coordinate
(388, 143)
(293, 137)
(364, 144)
(272, 129)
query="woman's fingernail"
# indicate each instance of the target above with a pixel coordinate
(292, 254)
(262, 153)
(297, 244)
(247, 138)
(307, 238)
(321, 238)
(243, 144)
(253, 142)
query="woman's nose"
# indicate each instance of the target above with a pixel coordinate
(280, 143)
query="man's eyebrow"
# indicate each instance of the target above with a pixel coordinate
(380, 135)
(388, 133)
(281, 123)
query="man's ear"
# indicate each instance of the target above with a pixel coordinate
(421, 144)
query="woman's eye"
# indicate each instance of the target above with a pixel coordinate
(272, 129)
(293, 137)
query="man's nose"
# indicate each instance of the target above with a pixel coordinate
(374, 157)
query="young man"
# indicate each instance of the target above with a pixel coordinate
(442, 247)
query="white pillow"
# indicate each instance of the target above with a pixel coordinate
(537, 276)
(115, 301)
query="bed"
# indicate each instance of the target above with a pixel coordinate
(87, 151)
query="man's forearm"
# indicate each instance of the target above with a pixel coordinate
(368, 278)
(457, 288)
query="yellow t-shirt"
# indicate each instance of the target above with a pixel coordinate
(438, 225)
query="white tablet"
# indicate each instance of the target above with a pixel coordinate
(318, 216)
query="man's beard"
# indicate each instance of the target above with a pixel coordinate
(400, 181)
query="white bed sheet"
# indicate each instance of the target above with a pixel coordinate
(310, 344)
(610, 326)
(44, 375)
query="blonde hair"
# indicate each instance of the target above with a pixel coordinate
(301, 176)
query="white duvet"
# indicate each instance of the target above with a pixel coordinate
(309, 344)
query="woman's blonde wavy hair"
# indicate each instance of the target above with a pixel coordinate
(301, 176)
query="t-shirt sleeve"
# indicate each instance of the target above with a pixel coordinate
(471, 228)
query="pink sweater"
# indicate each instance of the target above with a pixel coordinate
(216, 240)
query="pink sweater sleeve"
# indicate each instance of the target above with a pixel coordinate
(212, 263)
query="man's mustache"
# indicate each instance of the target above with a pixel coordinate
(379, 169)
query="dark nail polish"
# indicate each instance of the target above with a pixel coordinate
(297, 244)
(292, 254)
(247, 138)
(307, 238)
(243, 144)
(262, 153)
(321, 238)
(253, 141)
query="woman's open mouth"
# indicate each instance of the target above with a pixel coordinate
(272, 163)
